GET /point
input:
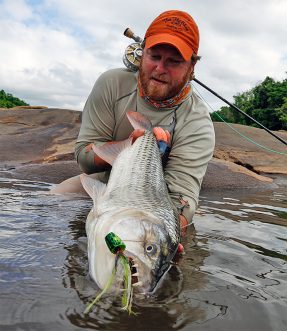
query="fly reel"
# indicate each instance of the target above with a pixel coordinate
(133, 52)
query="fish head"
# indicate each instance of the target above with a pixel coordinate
(149, 248)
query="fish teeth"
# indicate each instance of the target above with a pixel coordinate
(136, 274)
(137, 284)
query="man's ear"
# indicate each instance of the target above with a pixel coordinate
(191, 76)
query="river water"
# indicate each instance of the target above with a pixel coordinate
(231, 277)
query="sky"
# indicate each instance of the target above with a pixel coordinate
(52, 51)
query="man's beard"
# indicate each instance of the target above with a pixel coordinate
(160, 93)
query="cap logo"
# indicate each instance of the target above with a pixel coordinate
(176, 23)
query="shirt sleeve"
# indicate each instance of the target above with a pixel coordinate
(192, 148)
(97, 122)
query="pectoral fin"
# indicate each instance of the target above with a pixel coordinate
(93, 187)
(109, 152)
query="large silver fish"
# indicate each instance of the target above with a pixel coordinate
(135, 205)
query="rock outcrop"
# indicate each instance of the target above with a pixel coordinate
(38, 144)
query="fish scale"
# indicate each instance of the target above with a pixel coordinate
(137, 181)
(136, 206)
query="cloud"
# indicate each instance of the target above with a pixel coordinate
(17, 10)
(52, 51)
(242, 43)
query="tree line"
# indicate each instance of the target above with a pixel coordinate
(7, 100)
(266, 102)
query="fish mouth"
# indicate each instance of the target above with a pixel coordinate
(134, 272)
(136, 268)
(143, 279)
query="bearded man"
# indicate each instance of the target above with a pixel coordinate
(160, 90)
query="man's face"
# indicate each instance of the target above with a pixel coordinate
(163, 72)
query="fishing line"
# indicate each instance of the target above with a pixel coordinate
(240, 111)
(238, 132)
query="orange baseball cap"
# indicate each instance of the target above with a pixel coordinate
(176, 28)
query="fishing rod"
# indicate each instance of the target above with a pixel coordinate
(132, 58)
(239, 110)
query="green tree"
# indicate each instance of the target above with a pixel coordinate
(7, 100)
(266, 102)
(282, 114)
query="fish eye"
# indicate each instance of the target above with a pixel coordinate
(151, 249)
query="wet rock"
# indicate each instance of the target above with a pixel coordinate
(38, 144)
(263, 155)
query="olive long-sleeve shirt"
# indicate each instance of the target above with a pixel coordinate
(104, 119)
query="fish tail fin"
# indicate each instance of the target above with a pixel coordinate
(139, 121)
(109, 151)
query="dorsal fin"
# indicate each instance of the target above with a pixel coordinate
(109, 152)
(139, 121)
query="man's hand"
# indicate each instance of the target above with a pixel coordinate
(136, 134)
(183, 226)
(159, 133)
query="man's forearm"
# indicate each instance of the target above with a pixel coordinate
(89, 162)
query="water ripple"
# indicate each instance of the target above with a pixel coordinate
(234, 267)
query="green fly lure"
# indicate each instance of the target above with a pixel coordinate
(117, 247)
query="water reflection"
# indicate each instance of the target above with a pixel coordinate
(247, 254)
(232, 276)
